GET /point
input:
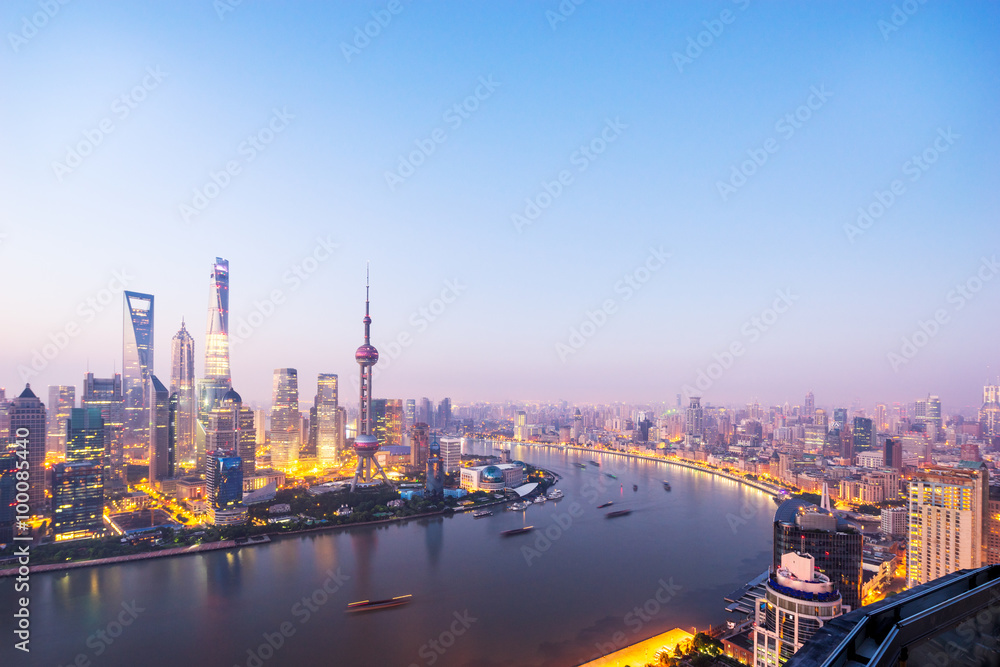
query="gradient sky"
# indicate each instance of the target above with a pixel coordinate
(323, 176)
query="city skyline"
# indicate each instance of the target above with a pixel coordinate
(691, 217)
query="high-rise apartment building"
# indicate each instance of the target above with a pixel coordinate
(62, 399)
(948, 528)
(993, 527)
(27, 427)
(182, 383)
(694, 424)
(451, 454)
(327, 419)
(285, 418)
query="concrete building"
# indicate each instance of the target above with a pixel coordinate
(492, 477)
(451, 454)
(798, 601)
(947, 533)
(894, 521)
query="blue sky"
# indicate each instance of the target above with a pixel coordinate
(347, 121)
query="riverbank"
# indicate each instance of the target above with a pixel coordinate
(760, 486)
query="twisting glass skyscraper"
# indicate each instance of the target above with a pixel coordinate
(137, 366)
(182, 383)
(217, 380)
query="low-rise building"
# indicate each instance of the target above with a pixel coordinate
(492, 477)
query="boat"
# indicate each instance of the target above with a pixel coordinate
(517, 531)
(607, 504)
(517, 507)
(635, 487)
(555, 494)
(479, 514)
(611, 475)
(580, 465)
(594, 463)
(666, 485)
(539, 500)
(612, 515)
(371, 605)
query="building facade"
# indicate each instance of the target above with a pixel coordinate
(182, 383)
(285, 418)
(77, 500)
(62, 399)
(27, 428)
(137, 367)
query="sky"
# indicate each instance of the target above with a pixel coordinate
(595, 202)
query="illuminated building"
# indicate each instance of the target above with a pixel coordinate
(948, 509)
(836, 546)
(492, 478)
(694, 424)
(286, 421)
(162, 449)
(27, 425)
(62, 399)
(217, 380)
(231, 428)
(409, 414)
(426, 412)
(797, 602)
(451, 454)
(989, 414)
(137, 366)
(329, 439)
(8, 496)
(4, 416)
(893, 457)
(521, 426)
(929, 412)
(105, 394)
(993, 527)
(863, 433)
(387, 415)
(182, 383)
(224, 487)
(894, 521)
(85, 436)
(444, 414)
(77, 500)
(809, 407)
(366, 444)
(419, 444)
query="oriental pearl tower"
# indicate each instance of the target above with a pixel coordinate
(366, 444)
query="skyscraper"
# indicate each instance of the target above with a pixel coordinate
(231, 428)
(85, 439)
(224, 487)
(863, 433)
(285, 418)
(409, 413)
(8, 495)
(217, 380)
(694, 424)
(444, 414)
(426, 412)
(893, 454)
(182, 383)
(989, 413)
(77, 500)
(105, 394)
(837, 547)
(809, 407)
(161, 449)
(387, 416)
(366, 444)
(419, 445)
(137, 366)
(4, 416)
(27, 427)
(948, 527)
(434, 483)
(327, 427)
(62, 399)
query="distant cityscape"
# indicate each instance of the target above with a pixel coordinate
(873, 502)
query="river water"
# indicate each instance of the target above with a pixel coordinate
(577, 584)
